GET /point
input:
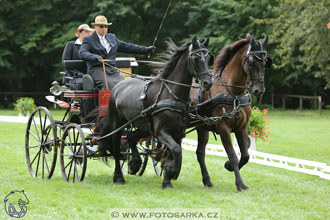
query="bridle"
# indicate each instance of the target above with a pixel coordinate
(202, 53)
(259, 55)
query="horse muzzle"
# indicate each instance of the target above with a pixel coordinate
(258, 89)
(206, 82)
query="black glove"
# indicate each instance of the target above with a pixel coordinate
(151, 49)
(97, 57)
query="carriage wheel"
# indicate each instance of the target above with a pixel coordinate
(73, 155)
(141, 146)
(157, 156)
(41, 143)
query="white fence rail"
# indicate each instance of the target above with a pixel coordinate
(273, 160)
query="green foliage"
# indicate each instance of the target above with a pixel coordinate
(25, 105)
(302, 40)
(258, 125)
(33, 40)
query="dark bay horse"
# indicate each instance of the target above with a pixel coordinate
(158, 107)
(238, 67)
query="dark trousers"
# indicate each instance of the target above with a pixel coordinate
(113, 76)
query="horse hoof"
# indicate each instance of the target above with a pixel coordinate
(167, 185)
(207, 183)
(119, 180)
(242, 187)
(134, 166)
(228, 166)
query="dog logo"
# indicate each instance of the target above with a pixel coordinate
(15, 204)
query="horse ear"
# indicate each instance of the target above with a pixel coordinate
(206, 42)
(264, 44)
(194, 42)
(269, 62)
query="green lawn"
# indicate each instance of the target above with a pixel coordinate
(273, 194)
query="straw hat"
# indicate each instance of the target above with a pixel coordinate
(101, 20)
(82, 27)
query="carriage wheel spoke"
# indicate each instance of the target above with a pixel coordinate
(76, 169)
(46, 161)
(48, 132)
(33, 135)
(49, 153)
(34, 146)
(38, 163)
(68, 164)
(35, 157)
(70, 169)
(41, 127)
(44, 128)
(69, 145)
(43, 164)
(35, 126)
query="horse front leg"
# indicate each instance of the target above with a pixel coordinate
(172, 165)
(232, 164)
(242, 140)
(203, 138)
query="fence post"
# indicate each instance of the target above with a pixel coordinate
(300, 104)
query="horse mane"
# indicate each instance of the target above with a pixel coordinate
(228, 52)
(168, 59)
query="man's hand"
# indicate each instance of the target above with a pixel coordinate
(151, 49)
(98, 58)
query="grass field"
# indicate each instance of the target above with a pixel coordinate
(274, 193)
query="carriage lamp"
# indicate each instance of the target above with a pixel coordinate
(56, 88)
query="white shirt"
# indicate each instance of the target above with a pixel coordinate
(104, 42)
(77, 41)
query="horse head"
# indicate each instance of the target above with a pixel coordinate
(198, 61)
(255, 61)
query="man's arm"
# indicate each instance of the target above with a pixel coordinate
(85, 53)
(130, 48)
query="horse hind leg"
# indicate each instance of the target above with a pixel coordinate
(232, 164)
(203, 137)
(118, 177)
(135, 163)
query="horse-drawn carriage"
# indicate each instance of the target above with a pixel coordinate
(160, 109)
(72, 136)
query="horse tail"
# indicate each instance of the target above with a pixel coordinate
(93, 116)
(101, 128)
(105, 144)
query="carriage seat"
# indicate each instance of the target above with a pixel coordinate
(74, 70)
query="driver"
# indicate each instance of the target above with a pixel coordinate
(103, 45)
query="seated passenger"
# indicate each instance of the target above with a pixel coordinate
(102, 45)
(71, 52)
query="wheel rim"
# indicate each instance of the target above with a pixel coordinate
(41, 143)
(73, 154)
(157, 164)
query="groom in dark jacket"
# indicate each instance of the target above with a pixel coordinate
(102, 45)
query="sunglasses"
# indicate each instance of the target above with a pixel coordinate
(103, 26)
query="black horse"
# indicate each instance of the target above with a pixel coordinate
(158, 107)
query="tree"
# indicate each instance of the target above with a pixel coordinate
(302, 40)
